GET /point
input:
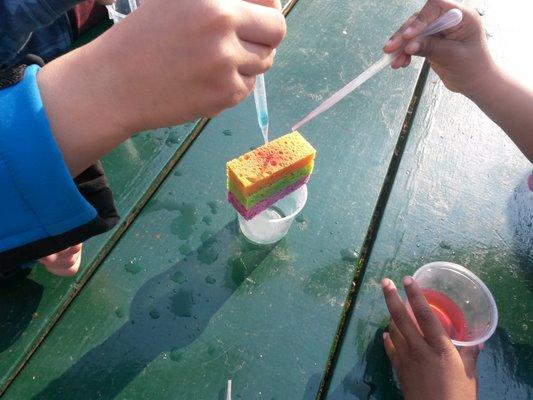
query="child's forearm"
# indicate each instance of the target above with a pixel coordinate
(510, 104)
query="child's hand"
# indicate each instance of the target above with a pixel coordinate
(167, 63)
(426, 362)
(459, 55)
(65, 262)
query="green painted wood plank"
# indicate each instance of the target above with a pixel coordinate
(135, 169)
(32, 306)
(460, 195)
(183, 303)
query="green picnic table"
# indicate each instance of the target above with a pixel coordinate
(174, 302)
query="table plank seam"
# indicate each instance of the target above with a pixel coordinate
(119, 231)
(372, 231)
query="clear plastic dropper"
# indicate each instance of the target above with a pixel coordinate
(261, 106)
(447, 20)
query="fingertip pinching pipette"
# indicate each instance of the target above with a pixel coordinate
(261, 105)
(447, 20)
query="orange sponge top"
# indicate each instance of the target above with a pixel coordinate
(266, 164)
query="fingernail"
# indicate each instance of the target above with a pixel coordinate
(385, 335)
(389, 42)
(407, 281)
(385, 282)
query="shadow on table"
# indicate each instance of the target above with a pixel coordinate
(19, 299)
(370, 378)
(500, 364)
(169, 312)
(504, 363)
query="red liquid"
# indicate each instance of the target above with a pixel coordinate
(449, 314)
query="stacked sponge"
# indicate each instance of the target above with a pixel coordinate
(259, 178)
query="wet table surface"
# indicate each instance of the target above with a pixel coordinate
(174, 302)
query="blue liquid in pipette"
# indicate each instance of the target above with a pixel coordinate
(262, 118)
(261, 105)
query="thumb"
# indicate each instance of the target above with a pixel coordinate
(431, 47)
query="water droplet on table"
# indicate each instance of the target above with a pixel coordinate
(300, 218)
(210, 279)
(182, 226)
(213, 206)
(179, 277)
(173, 138)
(132, 267)
(349, 255)
(119, 313)
(185, 249)
(445, 245)
(227, 132)
(176, 354)
(207, 254)
(207, 220)
(207, 236)
(154, 314)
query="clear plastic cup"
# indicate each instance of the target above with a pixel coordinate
(120, 8)
(460, 300)
(273, 224)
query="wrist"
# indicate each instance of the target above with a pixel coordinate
(486, 84)
(84, 106)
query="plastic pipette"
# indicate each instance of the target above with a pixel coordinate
(261, 106)
(133, 5)
(447, 20)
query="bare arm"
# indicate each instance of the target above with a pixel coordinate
(200, 58)
(510, 104)
(460, 56)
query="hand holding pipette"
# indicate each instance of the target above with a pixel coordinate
(462, 59)
(459, 56)
(447, 20)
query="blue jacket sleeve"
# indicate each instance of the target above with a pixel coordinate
(20, 18)
(38, 197)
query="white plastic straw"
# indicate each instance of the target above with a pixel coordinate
(228, 391)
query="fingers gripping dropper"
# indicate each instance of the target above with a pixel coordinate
(447, 20)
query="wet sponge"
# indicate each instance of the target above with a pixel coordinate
(259, 178)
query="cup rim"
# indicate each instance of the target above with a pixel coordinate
(114, 13)
(294, 213)
(486, 291)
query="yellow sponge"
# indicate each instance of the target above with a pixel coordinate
(263, 166)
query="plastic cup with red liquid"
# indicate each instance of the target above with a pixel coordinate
(460, 300)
